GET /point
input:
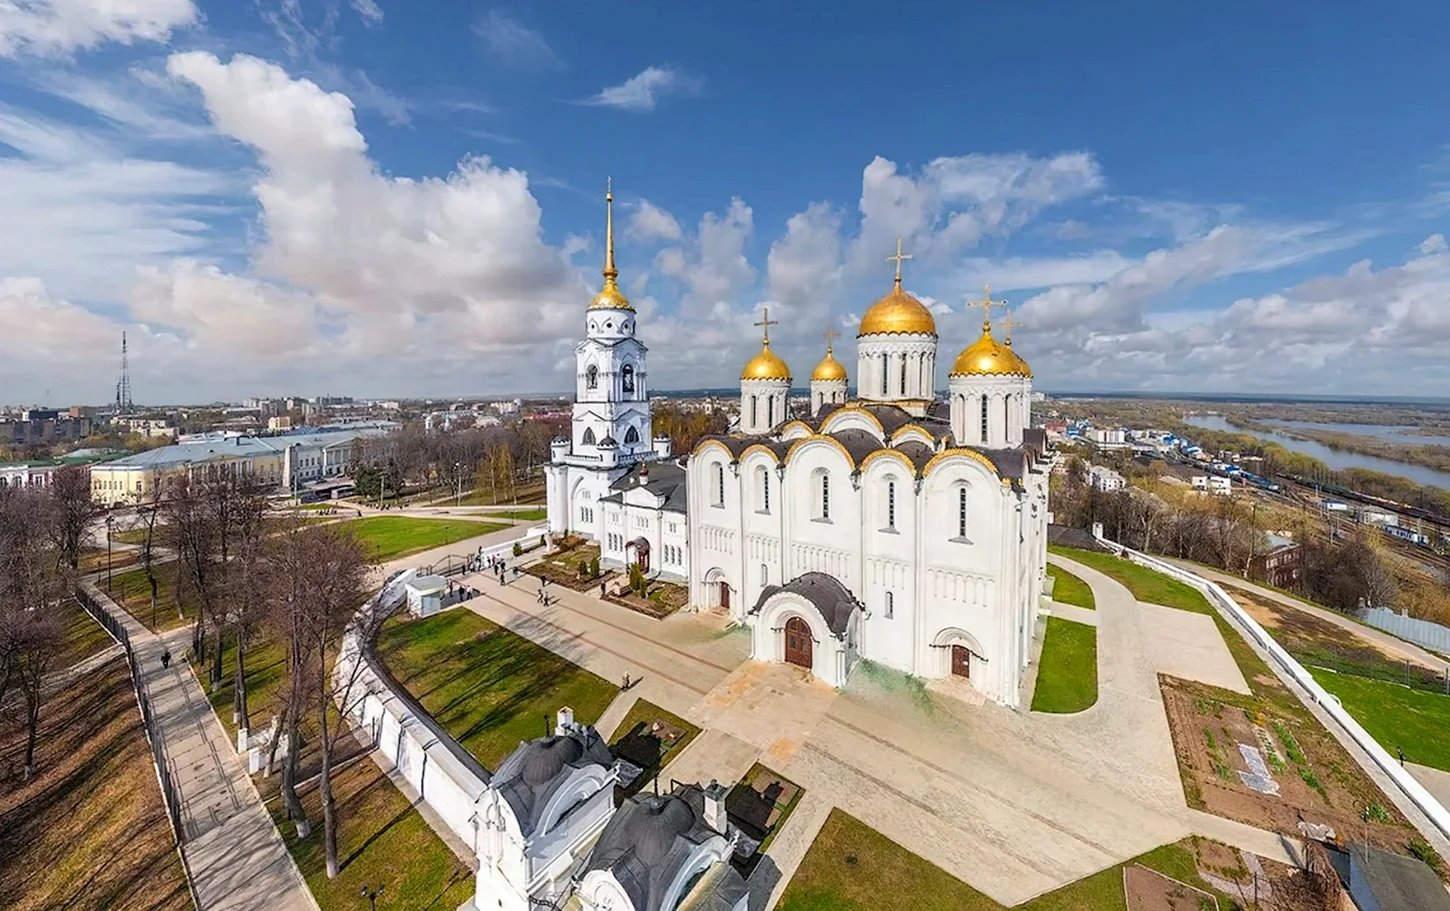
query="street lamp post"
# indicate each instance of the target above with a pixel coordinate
(110, 517)
(372, 897)
(457, 484)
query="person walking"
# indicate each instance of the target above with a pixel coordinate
(166, 659)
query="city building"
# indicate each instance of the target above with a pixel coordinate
(894, 527)
(286, 462)
(1105, 479)
(1108, 437)
(1282, 566)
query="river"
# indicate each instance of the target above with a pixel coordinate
(1387, 432)
(1336, 459)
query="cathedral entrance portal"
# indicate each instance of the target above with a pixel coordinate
(798, 643)
(724, 595)
(961, 662)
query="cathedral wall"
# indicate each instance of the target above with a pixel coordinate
(825, 540)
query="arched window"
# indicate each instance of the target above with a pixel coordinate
(961, 512)
(764, 574)
(770, 410)
(903, 376)
(591, 377)
(890, 605)
(823, 494)
(719, 484)
(885, 373)
(588, 438)
(762, 487)
(631, 435)
(1007, 414)
(890, 504)
(754, 416)
(627, 378)
(984, 419)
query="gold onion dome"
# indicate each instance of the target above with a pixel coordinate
(989, 357)
(829, 368)
(898, 313)
(610, 296)
(767, 365)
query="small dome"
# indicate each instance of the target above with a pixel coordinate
(898, 313)
(610, 297)
(989, 357)
(829, 368)
(547, 757)
(766, 365)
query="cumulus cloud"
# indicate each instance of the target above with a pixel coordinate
(651, 223)
(640, 94)
(714, 268)
(369, 11)
(58, 28)
(511, 43)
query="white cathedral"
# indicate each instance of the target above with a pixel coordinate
(894, 526)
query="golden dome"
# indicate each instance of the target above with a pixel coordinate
(829, 368)
(989, 357)
(897, 313)
(766, 365)
(610, 296)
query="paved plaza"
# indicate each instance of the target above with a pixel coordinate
(1015, 804)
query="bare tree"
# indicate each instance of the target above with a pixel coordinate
(149, 512)
(72, 511)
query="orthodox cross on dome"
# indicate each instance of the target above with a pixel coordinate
(986, 303)
(830, 335)
(898, 258)
(766, 322)
(1007, 323)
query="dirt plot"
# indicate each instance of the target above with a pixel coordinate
(1222, 739)
(1149, 890)
(1314, 640)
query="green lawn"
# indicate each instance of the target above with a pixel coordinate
(135, 536)
(1144, 583)
(522, 515)
(647, 713)
(1069, 589)
(852, 867)
(382, 841)
(390, 537)
(131, 591)
(1398, 717)
(1067, 675)
(266, 673)
(84, 635)
(490, 688)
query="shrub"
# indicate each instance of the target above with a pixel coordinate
(583, 569)
(1421, 851)
(594, 568)
(518, 549)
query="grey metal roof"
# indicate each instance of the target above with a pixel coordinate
(648, 840)
(1399, 883)
(665, 479)
(832, 600)
(236, 447)
(534, 770)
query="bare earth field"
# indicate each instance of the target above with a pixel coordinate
(90, 832)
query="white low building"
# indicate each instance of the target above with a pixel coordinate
(1105, 479)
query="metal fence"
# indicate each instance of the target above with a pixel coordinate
(1421, 632)
(158, 755)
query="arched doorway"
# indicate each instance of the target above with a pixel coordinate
(724, 595)
(961, 662)
(798, 642)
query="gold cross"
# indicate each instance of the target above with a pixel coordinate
(830, 336)
(1007, 323)
(898, 258)
(986, 303)
(767, 322)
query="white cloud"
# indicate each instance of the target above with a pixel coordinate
(642, 93)
(511, 43)
(649, 223)
(714, 268)
(369, 11)
(58, 28)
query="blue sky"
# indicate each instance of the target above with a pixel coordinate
(381, 198)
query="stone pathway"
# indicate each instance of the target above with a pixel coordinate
(235, 857)
(1435, 781)
(1074, 613)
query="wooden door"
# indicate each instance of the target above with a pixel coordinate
(797, 642)
(724, 596)
(961, 662)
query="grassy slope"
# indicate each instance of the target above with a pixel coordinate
(84, 637)
(1396, 716)
(1144, 583)
(131, 591)
(390, 537)
(886, 877)
(488, 687)
(90, 832)
(1067, 678)
(1069, 589)
(382, 841)
(266, 676)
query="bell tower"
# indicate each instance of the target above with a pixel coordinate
(612, 424)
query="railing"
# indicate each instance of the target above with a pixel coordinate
(1412, 789)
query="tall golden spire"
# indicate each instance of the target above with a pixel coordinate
(610, 295)
(898, 257)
